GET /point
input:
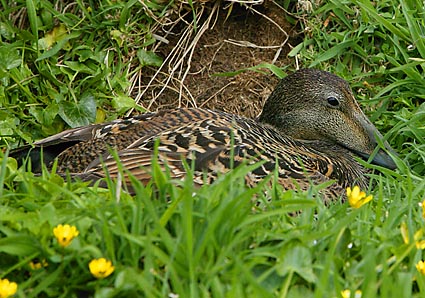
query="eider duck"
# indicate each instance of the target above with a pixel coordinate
(311, 130)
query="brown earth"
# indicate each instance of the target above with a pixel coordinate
(228, 38)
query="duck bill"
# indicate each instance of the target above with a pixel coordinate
(382, 157)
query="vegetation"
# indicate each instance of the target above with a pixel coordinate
(221, 240)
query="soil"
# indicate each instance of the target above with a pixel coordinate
(237, 38)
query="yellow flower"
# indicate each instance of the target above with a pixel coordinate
(404, 233)
(421, 267)
(347, 294)
(64, 234)
(420, 244)
(35, 265)
(7, 288)
(357, 198)
(101, 268)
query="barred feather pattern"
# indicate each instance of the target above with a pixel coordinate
(215, 142)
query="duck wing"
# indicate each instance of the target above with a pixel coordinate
(215, 142)
(211, 142)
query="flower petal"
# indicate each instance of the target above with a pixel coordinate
(101, 268)
(7, 288)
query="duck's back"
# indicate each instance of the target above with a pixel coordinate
(212, 141)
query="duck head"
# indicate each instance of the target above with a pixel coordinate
(316, 105)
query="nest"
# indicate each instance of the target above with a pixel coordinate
(207, 50)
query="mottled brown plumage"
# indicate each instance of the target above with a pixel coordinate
(311, 126)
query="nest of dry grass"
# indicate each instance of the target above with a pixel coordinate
(204, 47)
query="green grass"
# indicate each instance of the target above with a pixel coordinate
(214, 241)
(78, 73)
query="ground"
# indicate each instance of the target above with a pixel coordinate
(228, 38)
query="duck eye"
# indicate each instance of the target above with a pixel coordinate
(333, 101)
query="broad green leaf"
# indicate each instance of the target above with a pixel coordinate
(297, 258)
(48, 213)
(123, 103)
(129, 278)
(18, 245)
(78, 113)
(9, 57)
(118, 36)
(6, 31)
(148, 58)
(8, 168)
(84, 53)
(61, 44)
(79, 67)
(57, 34)
(44, 115)
(8, 125)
